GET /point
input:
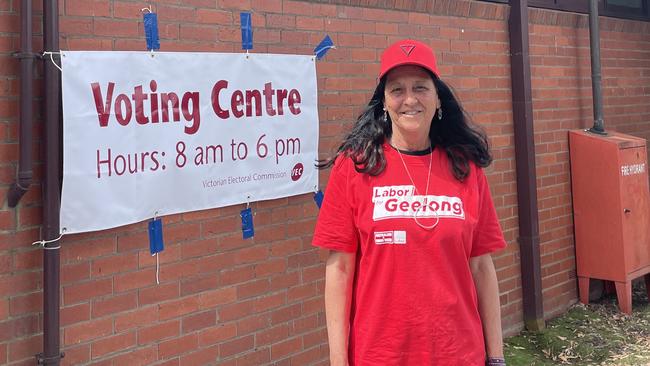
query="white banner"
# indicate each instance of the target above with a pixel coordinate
(159, 133)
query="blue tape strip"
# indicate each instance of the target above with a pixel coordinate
(318, 198)
(246, 31)
(151, 31)
(247, 229)
(156, 236)
(323, 47)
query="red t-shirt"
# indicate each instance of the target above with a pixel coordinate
(414, 300)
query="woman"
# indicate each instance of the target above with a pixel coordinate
(410, 226)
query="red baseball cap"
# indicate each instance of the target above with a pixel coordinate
(408, 52)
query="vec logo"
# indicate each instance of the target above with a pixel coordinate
(296, 172)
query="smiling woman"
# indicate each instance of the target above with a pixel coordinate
(411, 100)
(410, 226)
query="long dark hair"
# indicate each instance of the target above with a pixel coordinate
(455, 133)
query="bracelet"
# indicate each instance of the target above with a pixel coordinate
(495, 361)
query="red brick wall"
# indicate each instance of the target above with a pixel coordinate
(260, 301)
(561, 81)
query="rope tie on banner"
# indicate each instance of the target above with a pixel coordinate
(155, 217)
(157, 269)
(51, 54)
(41, 243)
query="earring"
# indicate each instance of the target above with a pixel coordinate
(440, 113)
(385, 115)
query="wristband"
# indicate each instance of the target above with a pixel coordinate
(495, 361)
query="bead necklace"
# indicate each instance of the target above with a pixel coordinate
(426, 192)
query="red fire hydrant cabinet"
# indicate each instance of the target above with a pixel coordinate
(611, 208)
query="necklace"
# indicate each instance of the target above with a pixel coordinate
(426, 192)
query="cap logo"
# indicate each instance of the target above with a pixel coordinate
(407, 49)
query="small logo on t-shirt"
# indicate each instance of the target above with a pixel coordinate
(390, 237)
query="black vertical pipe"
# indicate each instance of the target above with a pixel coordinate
(25, 174)
(594, 39)
(52, 190)
(522, 110)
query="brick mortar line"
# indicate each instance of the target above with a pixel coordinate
(490, 11)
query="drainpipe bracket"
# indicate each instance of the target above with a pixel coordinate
(27, 55)
(54, 360)
(596, 131)
(25, 175)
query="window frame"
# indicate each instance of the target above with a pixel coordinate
(582, 6)
(625, 12)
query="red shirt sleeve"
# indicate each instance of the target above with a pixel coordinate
(488, 236)
(335, 228)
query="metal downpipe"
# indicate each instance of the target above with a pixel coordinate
(52, 191)
(596, 78)
(25, 173)
(522, 113)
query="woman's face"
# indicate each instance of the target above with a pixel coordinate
(411, 100)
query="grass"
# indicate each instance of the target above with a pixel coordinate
(594, 334)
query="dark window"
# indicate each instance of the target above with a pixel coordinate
(632, 4)
(628, 9)
(566, 5)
